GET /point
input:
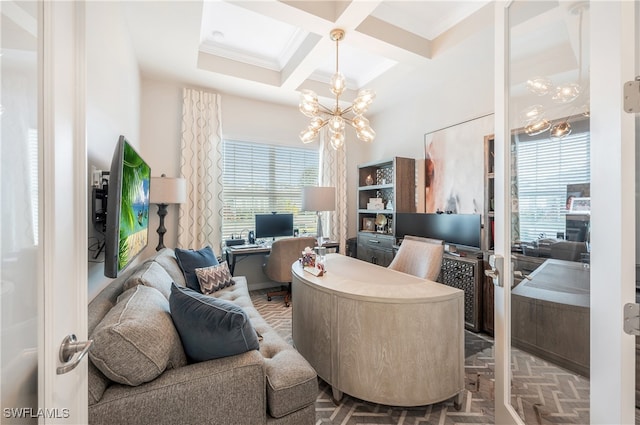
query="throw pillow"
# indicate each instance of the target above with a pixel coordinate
(136, 340)
(189, 260)
(209, 327)
(151, 274)
(214, 278)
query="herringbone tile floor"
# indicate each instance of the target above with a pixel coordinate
(542, 393)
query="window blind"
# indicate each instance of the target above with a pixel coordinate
(544, 169)
(260, 178)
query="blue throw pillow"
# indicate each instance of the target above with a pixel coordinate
(209, 327)
(189, 260)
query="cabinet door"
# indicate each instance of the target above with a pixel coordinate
(384, 257)
(487, 305)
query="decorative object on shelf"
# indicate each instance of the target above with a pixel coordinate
(389, 205)
(369, 180)
(381, 222)
(336, 117)
(375, 204)
(318, 199)
(164, 191)
(368, 224)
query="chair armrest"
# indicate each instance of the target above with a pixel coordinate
(207, 392)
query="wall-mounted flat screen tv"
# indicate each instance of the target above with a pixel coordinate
(455, 229)
(274, 225)
(127, 230)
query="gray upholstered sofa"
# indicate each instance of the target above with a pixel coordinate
(272, 385)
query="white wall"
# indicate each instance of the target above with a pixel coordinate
(113, 101)
(458, 86)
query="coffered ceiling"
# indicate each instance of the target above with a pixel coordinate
(271, 49)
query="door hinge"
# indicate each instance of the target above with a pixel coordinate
(632, 318)
(632, 96)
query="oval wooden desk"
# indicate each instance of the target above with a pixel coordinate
(380, 335)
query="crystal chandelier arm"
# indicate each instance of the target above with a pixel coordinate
(325, 109)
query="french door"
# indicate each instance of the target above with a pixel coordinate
(43, 276)
(560, 71)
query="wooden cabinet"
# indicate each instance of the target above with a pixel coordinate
(487, 299)
(375, 248)
(467, 274)
(392, 184)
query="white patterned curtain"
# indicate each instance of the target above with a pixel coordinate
(200, 217)
(333, 172)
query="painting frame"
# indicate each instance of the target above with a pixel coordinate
(368, 224)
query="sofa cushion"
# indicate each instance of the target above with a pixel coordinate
(167, 259)
(151, 274)
(210, 328)
(214, 278)
(189, 260)
(136, 341)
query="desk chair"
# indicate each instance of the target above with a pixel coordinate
(421, 257)
(284, 252)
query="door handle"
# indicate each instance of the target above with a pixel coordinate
(68, 350)
(496, 262)
(519, 274)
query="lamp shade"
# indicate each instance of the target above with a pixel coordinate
(318, 198)
(167, 190)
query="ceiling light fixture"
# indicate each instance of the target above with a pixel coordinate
(539, 85)
(337, 118)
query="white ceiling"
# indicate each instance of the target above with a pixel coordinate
(269, 49)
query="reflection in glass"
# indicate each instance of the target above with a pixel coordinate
(549, 168)
(19, 225)
(560, 130)
(537, 127)
(539, 85)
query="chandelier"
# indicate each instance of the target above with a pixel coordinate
(336, 118)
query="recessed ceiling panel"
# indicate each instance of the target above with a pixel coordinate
(242, 35)
(427, 19)
(358, 66)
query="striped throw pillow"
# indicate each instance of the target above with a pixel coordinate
(214, 278)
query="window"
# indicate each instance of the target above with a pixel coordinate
(544, 170)
(260, 178)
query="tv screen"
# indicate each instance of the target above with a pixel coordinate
(274, 225)
(127, 208)
(455, 229)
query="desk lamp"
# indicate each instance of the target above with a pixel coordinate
(164, 191)
(318, 198)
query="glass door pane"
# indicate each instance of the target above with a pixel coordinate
(548, 118)
(19, 196)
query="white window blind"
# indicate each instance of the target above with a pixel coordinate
(544, 169)
(260, 178)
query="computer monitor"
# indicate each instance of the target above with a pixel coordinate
(274, 225)
(457, 229)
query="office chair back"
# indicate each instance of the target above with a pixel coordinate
(421, 257)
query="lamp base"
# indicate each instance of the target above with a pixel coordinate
(319, 229)
(162, 212)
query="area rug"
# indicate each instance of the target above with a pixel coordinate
(542, 393)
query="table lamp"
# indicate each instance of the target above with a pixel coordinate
(318, 198)
(164, 191)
